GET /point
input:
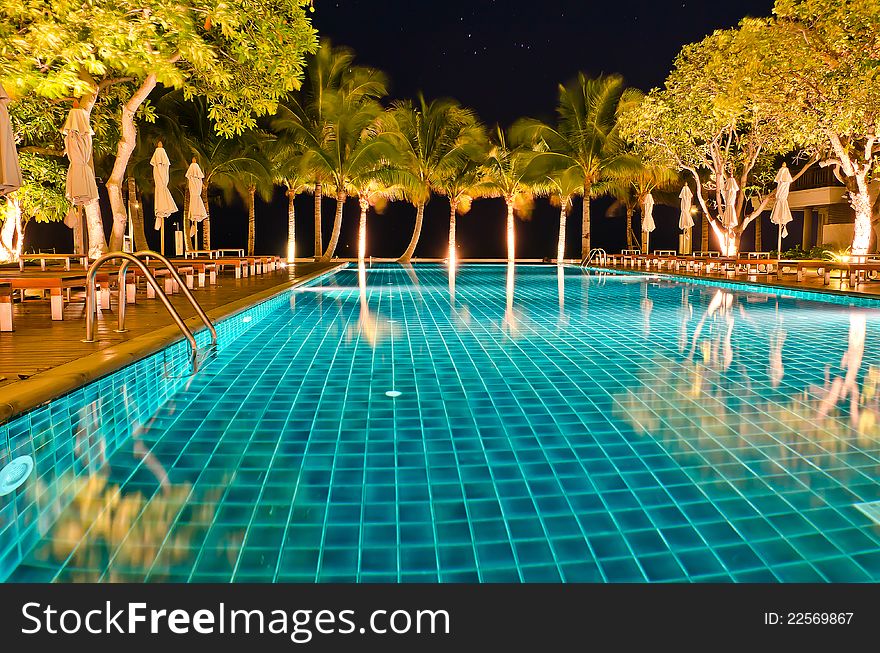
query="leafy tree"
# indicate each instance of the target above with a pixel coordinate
(303, 116)
(237, 55)
(715, 119)
(822, 60)
(433, 138)
(585, 141)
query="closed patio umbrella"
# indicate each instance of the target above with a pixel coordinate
(197, 210)
(648, 219)
(163, 205)
(81, 188)
(781, 214)
(10, 173)
(728, 216)
(685, 219)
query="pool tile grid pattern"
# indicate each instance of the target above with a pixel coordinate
(73, 436)
(529, 443)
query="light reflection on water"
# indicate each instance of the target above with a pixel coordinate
(674, 406)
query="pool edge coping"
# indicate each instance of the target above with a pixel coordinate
(25, 395)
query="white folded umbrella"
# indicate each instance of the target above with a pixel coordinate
(197, 210)
(728, 217)
(81, 187)
(781, 214)
(686, 220)
(10, 173)
(164, 204)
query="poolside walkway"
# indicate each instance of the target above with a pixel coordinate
(38, 344)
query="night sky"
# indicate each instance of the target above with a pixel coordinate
(505, 59)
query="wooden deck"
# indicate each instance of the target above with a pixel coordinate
(39, 344)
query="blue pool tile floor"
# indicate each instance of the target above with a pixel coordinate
(552, 425)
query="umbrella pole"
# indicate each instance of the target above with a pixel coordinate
(162, 238)
(779, 243)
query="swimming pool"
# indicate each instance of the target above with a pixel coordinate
(501, 424)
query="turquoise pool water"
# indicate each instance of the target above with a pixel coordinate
(551, 425)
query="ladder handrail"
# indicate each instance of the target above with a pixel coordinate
(174, 275)
(598, 252)
(92, 304)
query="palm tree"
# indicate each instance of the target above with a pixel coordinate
(461, 184)
(630, 188)
(287, 170)
(507, 174)
(586, 135)
(303, 115)
(432, 137)
(353, 149)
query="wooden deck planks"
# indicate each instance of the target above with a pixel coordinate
(38, 343)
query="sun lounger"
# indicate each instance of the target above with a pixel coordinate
(51, 281)
(50, 257)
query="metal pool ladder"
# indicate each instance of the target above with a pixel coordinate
(128, 258)
(599, 254)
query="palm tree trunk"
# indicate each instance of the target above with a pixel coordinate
(187, 224)
(511, 237)
(137, 217)
(291, 226)
(206, 223)
(629, 227)
(758, 243)
(318, 247)
(252, 219)
(417, 232)
(362, 230)
(453, 208)
(560, 246)
(124, 149)
(585, 223)
(337, 227)
(704, 236)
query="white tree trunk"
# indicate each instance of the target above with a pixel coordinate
(860, 200)
(337, 227)
(124, 148)
(95, 226)
(291, 226)
(362, 230)
(560, 246)
(453, 207)
(511, 236)
(9, 250)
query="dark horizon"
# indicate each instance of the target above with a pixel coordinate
(504, 60)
